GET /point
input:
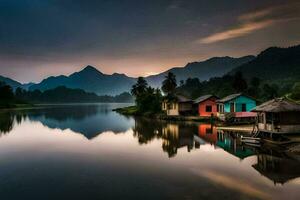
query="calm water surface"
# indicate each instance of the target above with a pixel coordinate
(90, 152)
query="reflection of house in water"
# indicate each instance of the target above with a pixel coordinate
(231, 142)
(276, 168)
(175, 136)
(208, 133)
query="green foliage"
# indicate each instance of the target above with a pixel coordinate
(254, 89)
(169, 84)
(191, 87)
(7, 98)
(140, 87)
(239, 83)
(270, 91)
(66, 95)
(6, 92)
(148, 99)
(296, 91)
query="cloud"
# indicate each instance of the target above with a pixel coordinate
(250, 22)
(236, 32)
(234, 184)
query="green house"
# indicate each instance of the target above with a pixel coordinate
(236, 103)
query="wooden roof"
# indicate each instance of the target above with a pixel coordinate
(278, 105)
(204, 97)
(182, 99)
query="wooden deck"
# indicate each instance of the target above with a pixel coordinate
(245, 128)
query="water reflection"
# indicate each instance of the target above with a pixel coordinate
(192, 136)
(277, 166)
(182, 142)
(6, 122)
(88, 120)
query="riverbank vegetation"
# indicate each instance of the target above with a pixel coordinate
(8, 98)
(148, 100)
(66, 95)
(24, 98)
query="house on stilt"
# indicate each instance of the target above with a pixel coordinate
(236, 107)
(278, 116)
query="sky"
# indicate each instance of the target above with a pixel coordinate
(41, 38)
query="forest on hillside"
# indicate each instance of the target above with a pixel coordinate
(9, 97)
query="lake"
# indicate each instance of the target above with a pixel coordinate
(86, 151)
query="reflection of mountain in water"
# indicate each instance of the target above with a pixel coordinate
(89, 120)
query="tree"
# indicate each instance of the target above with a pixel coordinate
(239, 83)
(169, 84)
(254, 89)
(140, 87)
(6, 92)
(148, 99)
(296, 91)
(270, 91)
(191, 88)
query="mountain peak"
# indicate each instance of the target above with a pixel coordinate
(90, 68)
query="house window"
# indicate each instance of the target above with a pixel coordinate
(244, 107)
(208, 109)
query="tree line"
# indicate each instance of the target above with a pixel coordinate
(148, 99)
(61, 94)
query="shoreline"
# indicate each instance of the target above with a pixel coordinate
(132, 111)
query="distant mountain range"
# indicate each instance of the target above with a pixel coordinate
(15, 84)
(213, 67)
(90, 80)
(271, 64)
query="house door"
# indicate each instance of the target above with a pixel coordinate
(231, 107)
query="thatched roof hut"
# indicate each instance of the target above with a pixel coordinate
(278, 105)
(278, 116)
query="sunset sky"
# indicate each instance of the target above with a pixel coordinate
(39, 38)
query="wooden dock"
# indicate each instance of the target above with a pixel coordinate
(246, 129)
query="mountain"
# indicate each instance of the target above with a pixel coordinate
(213, 67)
(15, 84)
(90, 80)
(274, 64)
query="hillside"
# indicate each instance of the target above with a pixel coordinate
(274, 65)
(213, 67)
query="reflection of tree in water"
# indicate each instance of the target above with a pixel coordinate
(146, 129)
(173, 135)
(6, 122)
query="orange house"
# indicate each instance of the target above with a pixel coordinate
(206, 105)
